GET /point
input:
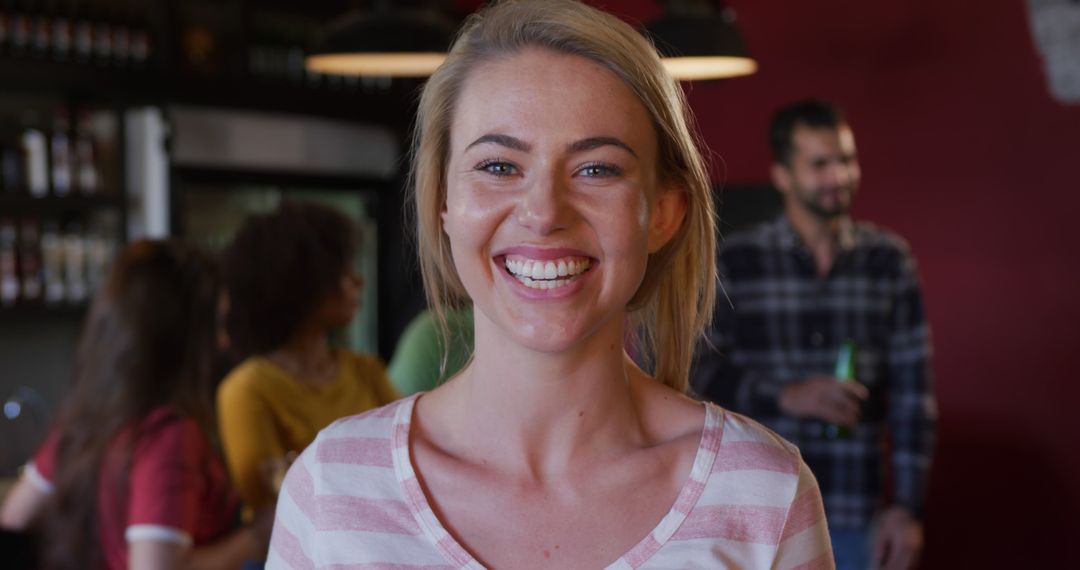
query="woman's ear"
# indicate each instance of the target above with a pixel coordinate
(442, 214)
(668, 212)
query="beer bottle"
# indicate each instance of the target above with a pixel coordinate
(844, 372)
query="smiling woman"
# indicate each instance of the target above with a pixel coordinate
(559, 193)
(540, 175)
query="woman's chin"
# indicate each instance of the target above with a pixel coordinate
(548, 339)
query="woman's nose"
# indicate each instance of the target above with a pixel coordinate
(543, 206)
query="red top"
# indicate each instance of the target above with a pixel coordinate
(177, 489)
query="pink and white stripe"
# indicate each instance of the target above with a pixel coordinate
(353, 501)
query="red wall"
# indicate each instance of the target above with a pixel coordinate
(965, 154)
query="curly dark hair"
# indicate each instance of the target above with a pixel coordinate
(279, 267)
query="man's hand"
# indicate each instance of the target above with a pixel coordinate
(824, 398)
(899, 540)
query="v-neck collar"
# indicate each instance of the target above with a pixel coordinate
(658, 536)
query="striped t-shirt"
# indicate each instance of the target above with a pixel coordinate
(352, 500)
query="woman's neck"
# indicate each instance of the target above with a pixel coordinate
(306, 355)
(535, 412)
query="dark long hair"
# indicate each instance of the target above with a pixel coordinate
(148, 341)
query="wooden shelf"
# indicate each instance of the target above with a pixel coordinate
(89, 81)
(390, 106)
(23, 204)
(214, 178)
(60, 311)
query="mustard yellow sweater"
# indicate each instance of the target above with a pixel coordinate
(264, 413)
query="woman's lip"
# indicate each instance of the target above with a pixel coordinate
(542, 253)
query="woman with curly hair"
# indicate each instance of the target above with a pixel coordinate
(290, 280)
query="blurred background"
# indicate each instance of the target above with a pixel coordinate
(128, 118)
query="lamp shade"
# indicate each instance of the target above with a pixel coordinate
(393, 43)
(701, 44)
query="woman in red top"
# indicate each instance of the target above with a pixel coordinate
(128, 477)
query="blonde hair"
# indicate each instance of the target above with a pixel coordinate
(674, 302)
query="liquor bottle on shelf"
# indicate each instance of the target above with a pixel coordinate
(11, 160)
(74, 264)
(844, 372)
(82, 30)
(60, 153)
(86, 169)
(41, 31)
(142, 45)
(35, 160)
(103, 37)
(52, 255)
(103, 127)
(61, 31)
(5, 25)
(99, 253)
(21, 29)
(121, 28)
(30, 289)
(9, 268)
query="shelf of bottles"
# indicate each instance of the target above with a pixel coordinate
(277, 48)
(61, 209)
(48, 265)
(61, 204)
(112, 33)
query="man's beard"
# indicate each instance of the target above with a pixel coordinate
(839, 209)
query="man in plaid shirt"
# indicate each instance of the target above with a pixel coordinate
(800, 287)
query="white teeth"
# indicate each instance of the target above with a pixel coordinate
(551, 271)
(544, 283)
(546, 274)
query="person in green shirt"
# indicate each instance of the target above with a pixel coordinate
(417, 364)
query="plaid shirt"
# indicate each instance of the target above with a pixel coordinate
(785, 323)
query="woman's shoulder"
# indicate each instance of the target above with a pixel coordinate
(746, 445)
(167, 418)
(167, 432)
(377, 423)
(249, 375)
(355, 448)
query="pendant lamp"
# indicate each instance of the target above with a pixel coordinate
(699, 39)
(386, 41)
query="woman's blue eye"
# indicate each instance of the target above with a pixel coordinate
(497, 167)
(599, 170)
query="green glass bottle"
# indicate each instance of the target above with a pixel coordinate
(844, 372)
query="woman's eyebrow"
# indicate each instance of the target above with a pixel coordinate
(503, 140)
(582, 145)
(596, 142)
